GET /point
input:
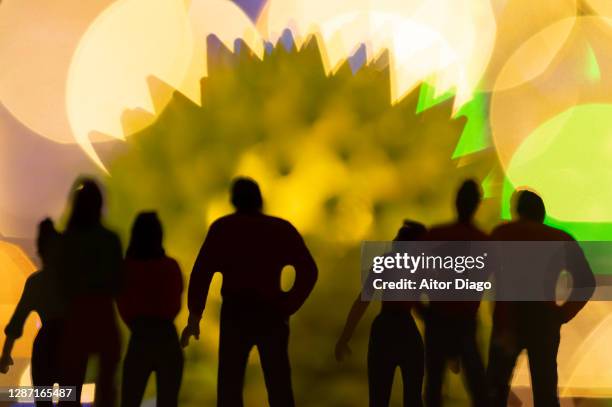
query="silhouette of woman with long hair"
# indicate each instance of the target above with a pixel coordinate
(90, 264)
(149, 303)
(394, 341)
(40, 294)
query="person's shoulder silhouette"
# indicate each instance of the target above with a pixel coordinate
(251, 231)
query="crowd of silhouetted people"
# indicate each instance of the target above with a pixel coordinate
(451, 326)
(84, 276)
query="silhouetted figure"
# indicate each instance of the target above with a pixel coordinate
(148, 304)
(534, 326)
(250, 250)
(90, 264)
(450, 327)
(41, 294)
(394, 340)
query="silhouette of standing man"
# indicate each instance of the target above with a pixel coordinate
(450, 327)
(534, 326)
(250, 250)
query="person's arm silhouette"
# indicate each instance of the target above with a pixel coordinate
(204, 268)
(358, 308)
(14, 329)
(305, 272)
(583, 281)
(6, 360)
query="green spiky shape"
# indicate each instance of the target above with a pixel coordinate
(329, 146)
(476, 136)
(428, 98)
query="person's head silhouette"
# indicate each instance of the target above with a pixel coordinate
(46, 240)
(529, 206)
(146, 241)
(467, 200)
(86, 205)
(246, 196)
(409, 231)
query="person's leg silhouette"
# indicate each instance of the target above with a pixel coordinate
(169, 372)
(473, 368)
(74, 366)
(436, 356)
(235, 343)
(435, 363)
(380, 381)
(137, 368)
(542, 350)
(109, 353)
(44, 361)
(395, 342)
(502, 359)
(412, 368)
(76, 378)
(381, 366)
(273, 347)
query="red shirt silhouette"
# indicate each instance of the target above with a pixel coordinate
(152, 289)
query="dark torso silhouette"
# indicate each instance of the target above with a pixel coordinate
(531, 313)
(456, 232)
(152, 289)
(528, 231)
(90, 262)
(251, 250)
(41, 294)
(459, 231)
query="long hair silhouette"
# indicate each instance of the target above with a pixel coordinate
(147, 238)
(86, 205)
